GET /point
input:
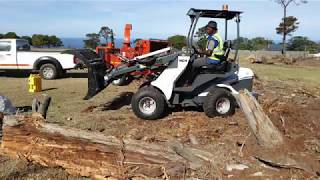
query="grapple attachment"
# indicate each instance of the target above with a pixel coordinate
(96, 70)
(96, 81)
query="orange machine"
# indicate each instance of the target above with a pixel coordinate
(112, 55)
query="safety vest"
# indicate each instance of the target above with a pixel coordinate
(219, 49)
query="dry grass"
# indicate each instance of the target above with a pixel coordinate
(290, 74)
(66, 95)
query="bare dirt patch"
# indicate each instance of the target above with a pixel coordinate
(294, 111)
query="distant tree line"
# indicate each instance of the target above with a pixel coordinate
(286, 28)
(36, 40)
(257, 43)
(296, 43)
(300, 43)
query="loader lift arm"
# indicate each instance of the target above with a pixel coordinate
(99, 76)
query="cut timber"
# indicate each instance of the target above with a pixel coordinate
(265, 132)
(88, 153)
(41, 107)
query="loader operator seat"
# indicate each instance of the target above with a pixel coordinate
(223, 66)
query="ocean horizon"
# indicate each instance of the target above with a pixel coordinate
(78, 43)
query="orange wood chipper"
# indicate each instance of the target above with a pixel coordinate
(115, 57)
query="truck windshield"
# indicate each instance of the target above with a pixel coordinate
(23, 45)
(5, 46)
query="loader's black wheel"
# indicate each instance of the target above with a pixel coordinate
(148, 103)
(122, 81)
(219, 102)
(48, 71)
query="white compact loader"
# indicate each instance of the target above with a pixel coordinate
(212, 88)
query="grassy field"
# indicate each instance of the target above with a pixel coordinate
(291, 74)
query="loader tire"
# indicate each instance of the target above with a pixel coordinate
(219, 102)
(148, 103)
(48, 71)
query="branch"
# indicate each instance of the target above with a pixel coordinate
(281, 2)
(288, 2)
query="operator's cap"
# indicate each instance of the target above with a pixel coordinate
(212, 24)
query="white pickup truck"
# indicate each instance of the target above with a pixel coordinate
(15, 54)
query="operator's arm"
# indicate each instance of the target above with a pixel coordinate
(213, 43)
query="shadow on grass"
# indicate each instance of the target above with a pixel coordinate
(14, 74)
(124, 99)
(77, 75)
(23, 109)
(26, 74)
(48, 89)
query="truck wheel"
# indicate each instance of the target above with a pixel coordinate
(48, 71)
(148, 103)
(219, 102)
(122, 81)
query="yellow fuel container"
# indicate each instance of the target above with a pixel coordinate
(34, 82)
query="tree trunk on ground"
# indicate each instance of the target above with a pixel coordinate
(265, 132)
(88, 153)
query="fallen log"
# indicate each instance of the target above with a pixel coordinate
(92, 154)
(266, 133)
(286, 162)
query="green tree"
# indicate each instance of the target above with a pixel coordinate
(291, 26)
(28, 38)
(1, 36)
(244, 43)
(284, 4)
(178, 41)
(300, 43)
(37, 40)
(259, 43)
(40, 40)
(11, 35)
(45, 39)
(201, 34)
(92, 40)
(54, 41)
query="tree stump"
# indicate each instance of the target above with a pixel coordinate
(266, 133)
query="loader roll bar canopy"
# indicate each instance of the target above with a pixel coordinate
(213, 13)
(195, 14)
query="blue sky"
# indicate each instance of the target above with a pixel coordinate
(150, 18)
